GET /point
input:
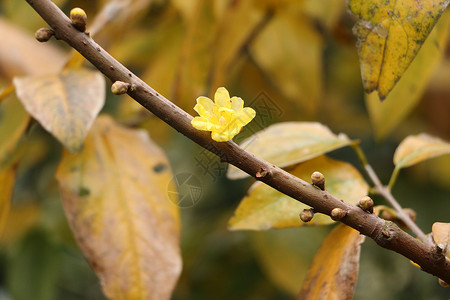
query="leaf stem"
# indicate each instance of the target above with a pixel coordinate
(6, 91)
(385, 192)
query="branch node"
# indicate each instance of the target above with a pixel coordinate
(438, 254)
(306, 215)
(79, 18)
(44, 34)
(318, 180)
(261, 173)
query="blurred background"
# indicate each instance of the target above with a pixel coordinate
(290, 61)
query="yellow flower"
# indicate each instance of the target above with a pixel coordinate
(224, 117)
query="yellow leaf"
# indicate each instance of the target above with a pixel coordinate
(7, 180)
(13, 122)
(115, 194)
(233, 36)
(390, 34)
(66, 104)
(417, 148)
(386, 115)
(334, 270)
(289, 49)
(441, 235)
(295, 142)
(196, 58)
(266, 208)
(285, 254)
(22, 217)
(327, 12)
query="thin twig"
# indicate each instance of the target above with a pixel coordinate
(385, 192)
(384, 233)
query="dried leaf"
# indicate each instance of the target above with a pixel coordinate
(66, 104)
(441, 235)
(385, 116)
(266, 208)
(295, 142)
(293, 60)
(115, 197)
(334, 270)
(417, 148)
(390, 34)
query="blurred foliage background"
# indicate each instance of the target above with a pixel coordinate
(290, 61)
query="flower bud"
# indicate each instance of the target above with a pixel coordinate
(306, 215)
(78, 18)
(338, 214)
(366, 204)
(318, 180)
(44, 34)
(120, 87)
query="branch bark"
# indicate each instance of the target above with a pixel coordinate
(384, 233)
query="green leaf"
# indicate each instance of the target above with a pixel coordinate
(334, 270)
(417, 148)
(266, 208)
(390, 34)
(66, 104)
(33, 269)
(295, 142)
(116, 200)
(386, 115)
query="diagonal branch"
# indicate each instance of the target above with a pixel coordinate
(384, 233)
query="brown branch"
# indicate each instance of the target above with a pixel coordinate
(384, 233)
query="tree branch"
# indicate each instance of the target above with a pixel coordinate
(384, 233)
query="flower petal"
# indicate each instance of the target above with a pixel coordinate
(204, 107)
(201, 123)
(221, 136)
(237, 104)
(222, 97)
(245, 116)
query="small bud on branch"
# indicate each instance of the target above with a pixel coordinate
(338, 214)
(306, 215)
(79, 18)
(318, 180)
(366, 204)
(44, 34)
(120, 87)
